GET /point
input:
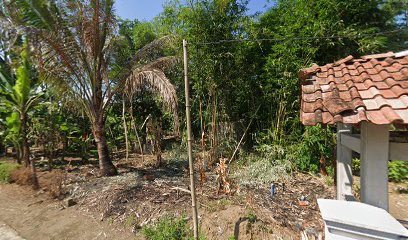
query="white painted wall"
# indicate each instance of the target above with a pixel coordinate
(344, 172)
(374, 164)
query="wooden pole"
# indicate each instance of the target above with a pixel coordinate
(190, 150)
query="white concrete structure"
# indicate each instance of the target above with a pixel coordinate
(376, 150)
(354, 220)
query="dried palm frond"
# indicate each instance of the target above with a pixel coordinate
(156, 81)
(162, 63)
(155, 46)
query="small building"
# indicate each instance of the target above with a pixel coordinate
(369, 93)
(367, 98)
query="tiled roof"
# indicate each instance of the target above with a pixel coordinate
(373, 88)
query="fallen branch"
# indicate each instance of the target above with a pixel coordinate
(187, 191)
(180, 189)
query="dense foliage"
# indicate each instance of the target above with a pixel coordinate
(93, 66)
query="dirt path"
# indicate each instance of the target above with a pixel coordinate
(7, 233)
(42, 218)
(398, 203)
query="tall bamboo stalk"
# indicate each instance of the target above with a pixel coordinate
(125, 126)
(189, 139)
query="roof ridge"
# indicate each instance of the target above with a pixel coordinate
(402, 53)
(378, 55)
(344, 60)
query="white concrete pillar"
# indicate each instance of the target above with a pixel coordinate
(344, 180)
(374, 164)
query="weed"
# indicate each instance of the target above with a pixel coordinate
(218, 205)
(356, 191)
(232, 238)
(131, 220)
(168, 228)
(6, 170)
(329, 180)
(268, 164)
(251, 217)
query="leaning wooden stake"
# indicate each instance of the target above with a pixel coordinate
(190, 150)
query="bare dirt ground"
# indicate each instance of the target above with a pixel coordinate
(7, 233)
(36, 216)
(118, 207)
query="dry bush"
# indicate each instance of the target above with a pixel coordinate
(267, 165)
(22, 176)
(52, 182)
(223, 181)
(49, 181)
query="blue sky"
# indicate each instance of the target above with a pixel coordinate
(148, 9)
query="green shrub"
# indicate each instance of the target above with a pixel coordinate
(168, 228)
(5, 171)
(397, 170)
(355, 166)
(316, 142)
(304, 149)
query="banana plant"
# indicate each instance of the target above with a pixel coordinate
(19, 93)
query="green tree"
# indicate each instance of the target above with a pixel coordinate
(78, 53)
(217, 77)
(307, 23)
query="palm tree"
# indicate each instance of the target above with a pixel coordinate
(76, 48)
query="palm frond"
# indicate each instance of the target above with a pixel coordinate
(155, 46)
(156, 81)
(162, 63)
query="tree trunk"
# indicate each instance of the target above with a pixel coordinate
(105, 164)
(26, 151)
(2, 149)
(157, 141)
(64, 146)
(36, 185)
(18, 153)
(24, 140)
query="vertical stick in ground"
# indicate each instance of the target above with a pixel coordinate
(190, 150)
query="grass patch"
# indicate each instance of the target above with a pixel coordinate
(131, 220)
(5, 171)
(168, 228)
(218, 205)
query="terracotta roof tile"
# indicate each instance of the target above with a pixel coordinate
(373, 88)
